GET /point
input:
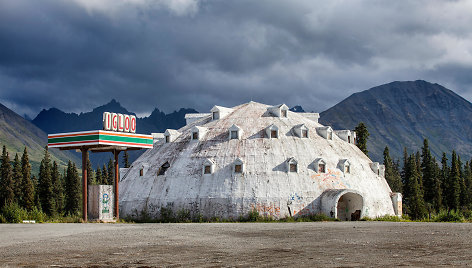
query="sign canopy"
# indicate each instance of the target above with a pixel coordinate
(100, 140)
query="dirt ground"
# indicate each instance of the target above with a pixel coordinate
(236, 244)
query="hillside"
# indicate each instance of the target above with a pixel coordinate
(56, 121)
(401, 114)
(17, 132)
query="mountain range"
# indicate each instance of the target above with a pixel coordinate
(402, 114)
(16, 133)
(398, 114)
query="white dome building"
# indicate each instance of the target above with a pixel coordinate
(256, 157)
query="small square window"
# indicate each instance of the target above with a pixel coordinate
(347, 169)
(273, 134)
(234, 134)
(216, 115)
(293, 167)
(284, 113)
(195, 136)
(207, 170)
(141, 172)
(167, 139)
(330, 135)
(238, 168)
(349, 139)
(304, 133)
(321, 168)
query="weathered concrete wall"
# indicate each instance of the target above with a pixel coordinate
(100, 202)
(265, 185)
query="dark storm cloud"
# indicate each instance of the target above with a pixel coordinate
(187, 53)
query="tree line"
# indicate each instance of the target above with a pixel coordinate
(429, 187)
(51, 191)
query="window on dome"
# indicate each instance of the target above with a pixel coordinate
(304, 133)
(216, 115)
(207, 170)
(195, 136)
(273, 134)
(330, 135)
(141, 172)
(167, 139)
(347, 169)
(163, 169)
(284, 113)
(238, 168)
(293, 167)
(321, 168)
(234, 134)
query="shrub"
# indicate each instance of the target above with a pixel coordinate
(13, 213)
(449, 216)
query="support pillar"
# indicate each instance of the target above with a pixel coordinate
(117, 179)
(84, 183)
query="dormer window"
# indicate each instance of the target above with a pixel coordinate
(292, 165)
(235, 132)
(208, 166)
(301, 131)
(319, 165)
(141, 172)
(171, 135)
(345, 135)
(238, 166)
(220, 112)
(344, 166)
(216, 115)
(284, 113)
(197, 133)
(280, 110)
(272, 132)
(163, 168)
(325, 132)
(378, 169)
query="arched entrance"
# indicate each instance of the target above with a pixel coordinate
(349, 207)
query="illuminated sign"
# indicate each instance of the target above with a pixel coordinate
(119, 122)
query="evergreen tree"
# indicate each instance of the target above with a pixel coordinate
(58, 188)
(392, 174)
(45, 186)
(104, 175)
(111, 172)
(428, 172)
(436, 197)
(362, 135)
(17, 179)
(72, 188)
(468, 185)
(126, 159)
(27, 187)
(7, 188)
(444, 172)
(90, 177)
(418, 169)
(452, 192)
(98, 175)
(414, 200)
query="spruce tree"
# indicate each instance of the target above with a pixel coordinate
(17, 180)
(90, 177)
(437, 199)
(72, 190)
(391, 172)
(98, 176)
(362, 135)
(7, 190)
(58, 189)
(104, 175)
(27, 183)
(428, 172)
(45, 186)
(126, 159)
(452, 192)
(444, 172)
(468, 185)
(415, 202)
(111, 172)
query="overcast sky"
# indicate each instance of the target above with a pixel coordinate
(78, 54)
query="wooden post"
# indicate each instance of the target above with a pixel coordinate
(117, 178)
(84, 183)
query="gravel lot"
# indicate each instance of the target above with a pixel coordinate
(236, 244)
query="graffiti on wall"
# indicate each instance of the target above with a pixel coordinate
(333, 179)
(270, 209)
(105, 203)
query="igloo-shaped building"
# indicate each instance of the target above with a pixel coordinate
(232, 161)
